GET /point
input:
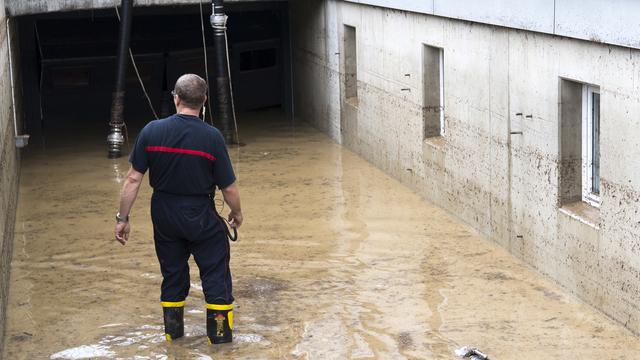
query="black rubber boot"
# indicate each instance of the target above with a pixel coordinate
(219, 323)
(173, 322)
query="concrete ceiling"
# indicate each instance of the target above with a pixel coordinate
(31, 7)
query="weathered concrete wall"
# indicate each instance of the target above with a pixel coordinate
(26, 7)
(9, 167)
(506, 186)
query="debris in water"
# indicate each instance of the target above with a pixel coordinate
(470, 353)
(84, 352)
(112, 325)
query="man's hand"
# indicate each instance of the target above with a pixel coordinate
(231, 196)
(235, 219)
(122, 232)
(127, 198)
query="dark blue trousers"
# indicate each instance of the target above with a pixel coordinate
(185, 225)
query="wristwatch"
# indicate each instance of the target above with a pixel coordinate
(122, 219)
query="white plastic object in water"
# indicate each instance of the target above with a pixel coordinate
(467, 352)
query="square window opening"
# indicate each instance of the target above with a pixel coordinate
(350, 63)
(579, 152)
(433, 91)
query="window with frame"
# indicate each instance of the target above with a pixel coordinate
(258, 59)
(67, 77)
(591, 145)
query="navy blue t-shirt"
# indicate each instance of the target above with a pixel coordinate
(184, 155)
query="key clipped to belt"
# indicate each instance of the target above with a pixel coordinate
(230, 231)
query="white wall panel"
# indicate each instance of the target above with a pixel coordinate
(535, 15)
(421, 6)
(613, 21)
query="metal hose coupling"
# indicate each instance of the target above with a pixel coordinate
(115, 140)
(219, 21)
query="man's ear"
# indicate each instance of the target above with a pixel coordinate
(176, 101)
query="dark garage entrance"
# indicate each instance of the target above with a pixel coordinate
(68, 62)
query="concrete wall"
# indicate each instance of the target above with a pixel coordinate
(506, 186)
(612, 22)
(9, 167)
(26, 7)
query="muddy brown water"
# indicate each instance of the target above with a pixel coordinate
(336, 261)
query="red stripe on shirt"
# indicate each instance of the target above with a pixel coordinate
(180, 151)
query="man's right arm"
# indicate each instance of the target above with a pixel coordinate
(231, 196)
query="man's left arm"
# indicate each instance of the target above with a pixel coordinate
(127, 198)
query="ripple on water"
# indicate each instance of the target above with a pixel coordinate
(251, 338)
(85, 352)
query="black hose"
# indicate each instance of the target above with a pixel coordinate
(218, 6)
(117, 104)
(223, 107)
(123, 44)
(230, 231)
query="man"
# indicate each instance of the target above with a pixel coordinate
(186, 159)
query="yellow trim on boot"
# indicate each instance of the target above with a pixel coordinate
(169, 304)
(219, 307)
(168, 337)
(230, 318)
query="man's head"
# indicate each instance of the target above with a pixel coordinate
(190, 92)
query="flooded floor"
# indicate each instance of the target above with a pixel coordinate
(336, 261)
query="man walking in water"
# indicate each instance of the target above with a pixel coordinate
(186, 159)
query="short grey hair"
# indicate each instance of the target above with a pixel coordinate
(192, 90)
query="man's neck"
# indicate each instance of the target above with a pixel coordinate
(190, 112)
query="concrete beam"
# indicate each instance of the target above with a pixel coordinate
(32, 7)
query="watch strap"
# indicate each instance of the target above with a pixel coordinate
(121, 219)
